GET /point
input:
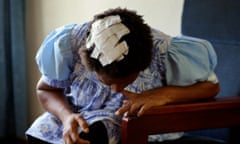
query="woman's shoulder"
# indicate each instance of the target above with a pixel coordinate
(189, 60)
(161, 40)
(54, 57)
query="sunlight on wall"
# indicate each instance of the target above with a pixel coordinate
(162, 14)
(45, 15)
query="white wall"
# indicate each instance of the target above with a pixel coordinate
(45, 15)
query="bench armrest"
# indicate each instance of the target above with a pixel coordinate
(216, 113)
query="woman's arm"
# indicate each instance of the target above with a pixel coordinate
(139, 103)
(53, 100)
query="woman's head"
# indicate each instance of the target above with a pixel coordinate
(138, 41)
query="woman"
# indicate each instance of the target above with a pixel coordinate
(116, 64)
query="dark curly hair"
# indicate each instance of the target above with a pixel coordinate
(139, 41)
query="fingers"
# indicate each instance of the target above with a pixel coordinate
(84, 126)
(74, 139)
(143, 109)
(82, 123)
(128, 109)
(67, 139)
(133, 109)
(123, 109)
(70, 130)
(82, 141)
(131, 105)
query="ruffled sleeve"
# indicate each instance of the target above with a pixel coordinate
(190, 60)
(55, 58)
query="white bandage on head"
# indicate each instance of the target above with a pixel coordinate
(105, 35)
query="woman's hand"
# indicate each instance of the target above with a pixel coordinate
(137, 104)
(54, 101)
(71, 125)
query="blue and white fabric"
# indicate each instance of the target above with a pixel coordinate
(60, 66)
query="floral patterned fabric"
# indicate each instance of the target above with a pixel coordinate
(61, 67)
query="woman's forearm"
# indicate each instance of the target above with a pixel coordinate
(166, 95)
(198, 91)
(53, 100)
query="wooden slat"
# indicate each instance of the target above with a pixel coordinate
(221, 112)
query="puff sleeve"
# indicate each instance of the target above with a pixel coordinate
(55, 59)
(190, 60)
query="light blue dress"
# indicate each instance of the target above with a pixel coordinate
(176, 61)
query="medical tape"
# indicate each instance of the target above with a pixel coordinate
(106, 40)
(104, 23)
